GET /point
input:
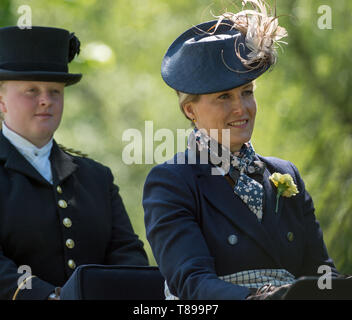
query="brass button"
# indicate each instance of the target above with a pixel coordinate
(70, 243)
(59, 189)
(71, 264)
(232, 239)
(62, 204)
(67, 222)
(290, 236)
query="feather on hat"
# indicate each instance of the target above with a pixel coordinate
(261, 30)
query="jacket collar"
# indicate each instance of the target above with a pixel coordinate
(220, 194)
(62, 164)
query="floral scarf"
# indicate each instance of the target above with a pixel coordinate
(239, 166)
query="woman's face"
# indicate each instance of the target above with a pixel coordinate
(233, 109)
(32, 109)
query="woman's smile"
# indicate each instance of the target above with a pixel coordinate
(240, 124)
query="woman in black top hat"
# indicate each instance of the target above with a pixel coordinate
(57, 211)
(224, 222)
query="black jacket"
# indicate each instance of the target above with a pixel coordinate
(51, 236)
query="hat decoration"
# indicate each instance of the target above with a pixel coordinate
(261, 30)
(74, 47)
(226, 53)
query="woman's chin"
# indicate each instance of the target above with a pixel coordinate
(236, 145)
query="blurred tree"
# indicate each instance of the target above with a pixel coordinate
(330, 68)
(318, 120)
(6, 17)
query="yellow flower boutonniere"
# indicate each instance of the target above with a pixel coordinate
(285, 186)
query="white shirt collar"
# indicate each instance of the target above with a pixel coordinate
(24, 146)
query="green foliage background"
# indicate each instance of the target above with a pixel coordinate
(304, 104)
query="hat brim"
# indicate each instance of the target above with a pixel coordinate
(201, 63)
(68, 78)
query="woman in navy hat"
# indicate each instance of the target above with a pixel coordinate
(224, 222)
(57, 210)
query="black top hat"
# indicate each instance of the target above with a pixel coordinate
(200, 62)
(37, 54)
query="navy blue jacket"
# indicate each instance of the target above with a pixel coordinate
(190, 215)
(33, 231)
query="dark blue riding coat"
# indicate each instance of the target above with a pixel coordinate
(192, 216)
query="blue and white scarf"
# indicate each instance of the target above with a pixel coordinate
(240, 166)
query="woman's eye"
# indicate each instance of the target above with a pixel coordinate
(247, 92)
(224, 96)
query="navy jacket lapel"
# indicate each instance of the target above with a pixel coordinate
(62, 164)
(220, 194)
(15, 161)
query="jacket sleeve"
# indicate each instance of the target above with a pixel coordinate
(15, 285)
(177, 241)
(124, 248)
(315, 254)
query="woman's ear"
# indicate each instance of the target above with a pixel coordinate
(188, 109)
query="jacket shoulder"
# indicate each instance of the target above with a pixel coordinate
(86, 164)
(72, 151)
(282, 166)
(178, 165)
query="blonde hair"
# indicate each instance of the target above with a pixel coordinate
(184, 98)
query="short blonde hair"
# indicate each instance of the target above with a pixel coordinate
(184, 98)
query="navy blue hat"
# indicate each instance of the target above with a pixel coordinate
(37, 54)
(205, 62)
